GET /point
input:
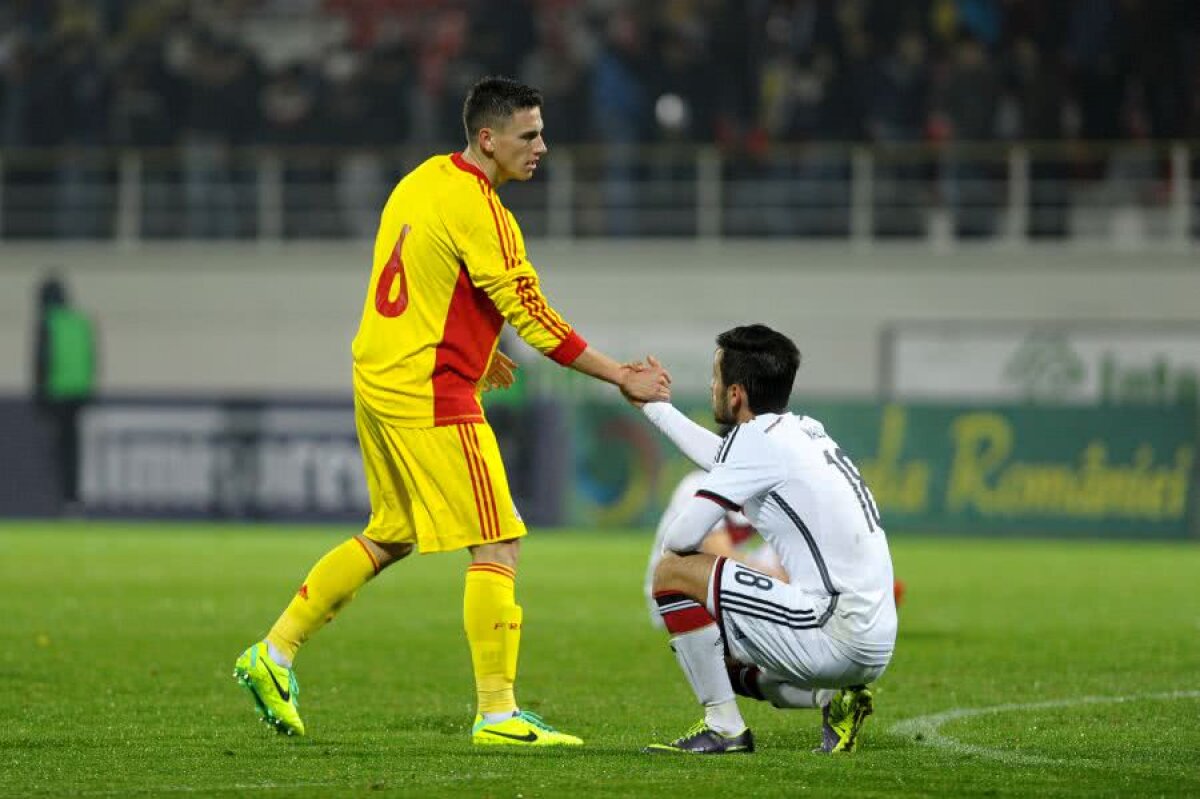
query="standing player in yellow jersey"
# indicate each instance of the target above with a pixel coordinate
(450, 268)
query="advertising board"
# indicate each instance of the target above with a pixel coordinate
(274, 460)
(1108, 363)
(989, 470)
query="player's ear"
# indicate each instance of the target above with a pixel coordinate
(486, 145)
(745, 396)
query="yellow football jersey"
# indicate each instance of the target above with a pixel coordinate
(449, 269)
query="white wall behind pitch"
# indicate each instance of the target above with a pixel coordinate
(244, 318)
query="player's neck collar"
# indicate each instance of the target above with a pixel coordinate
(466, 166)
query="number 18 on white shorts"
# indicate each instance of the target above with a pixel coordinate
(780, 628)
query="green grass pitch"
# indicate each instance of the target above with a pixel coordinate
(1024, 668)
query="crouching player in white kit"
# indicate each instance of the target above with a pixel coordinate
(815, 641)
(732, 537)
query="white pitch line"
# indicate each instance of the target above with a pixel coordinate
(929, 727)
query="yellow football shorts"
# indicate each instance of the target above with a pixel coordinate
(441, 488)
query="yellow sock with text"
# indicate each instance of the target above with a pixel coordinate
(493, 623)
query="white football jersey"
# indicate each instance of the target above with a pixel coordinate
(808, 501)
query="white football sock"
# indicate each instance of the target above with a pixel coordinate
(504, 715)
(702, 658)
(277, 656)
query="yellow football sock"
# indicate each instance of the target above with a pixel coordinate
(493, 623)
(326, 590)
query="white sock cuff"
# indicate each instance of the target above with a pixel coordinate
(277, 656)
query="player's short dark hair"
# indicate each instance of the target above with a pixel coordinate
(763, 362)
(492, 100)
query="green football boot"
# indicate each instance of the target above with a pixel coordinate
(843, 718)
(274, 688)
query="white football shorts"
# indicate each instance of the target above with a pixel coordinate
(778, 627)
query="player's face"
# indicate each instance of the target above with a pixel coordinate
(722, 412)
(517, 146)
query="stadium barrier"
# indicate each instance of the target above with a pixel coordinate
(1137, 195)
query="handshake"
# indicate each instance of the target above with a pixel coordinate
(645, 381)
(640, 381)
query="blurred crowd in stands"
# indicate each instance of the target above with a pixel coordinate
(354, 88)
(749, 72)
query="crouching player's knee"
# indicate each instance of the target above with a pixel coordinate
(667, 571)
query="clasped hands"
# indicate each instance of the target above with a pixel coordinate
(640, 381)
(645, 381)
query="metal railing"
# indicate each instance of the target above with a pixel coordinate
(1120, 194)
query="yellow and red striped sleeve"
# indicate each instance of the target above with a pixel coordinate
(490, 244)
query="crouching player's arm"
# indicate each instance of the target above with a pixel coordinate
(688, 531)
(691, 531)
(726, 528)
(698, 444)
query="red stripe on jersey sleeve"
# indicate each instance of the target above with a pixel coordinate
(508, 241)
(535, 306)
(512, 236)
(507, 247)
(505, 251)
